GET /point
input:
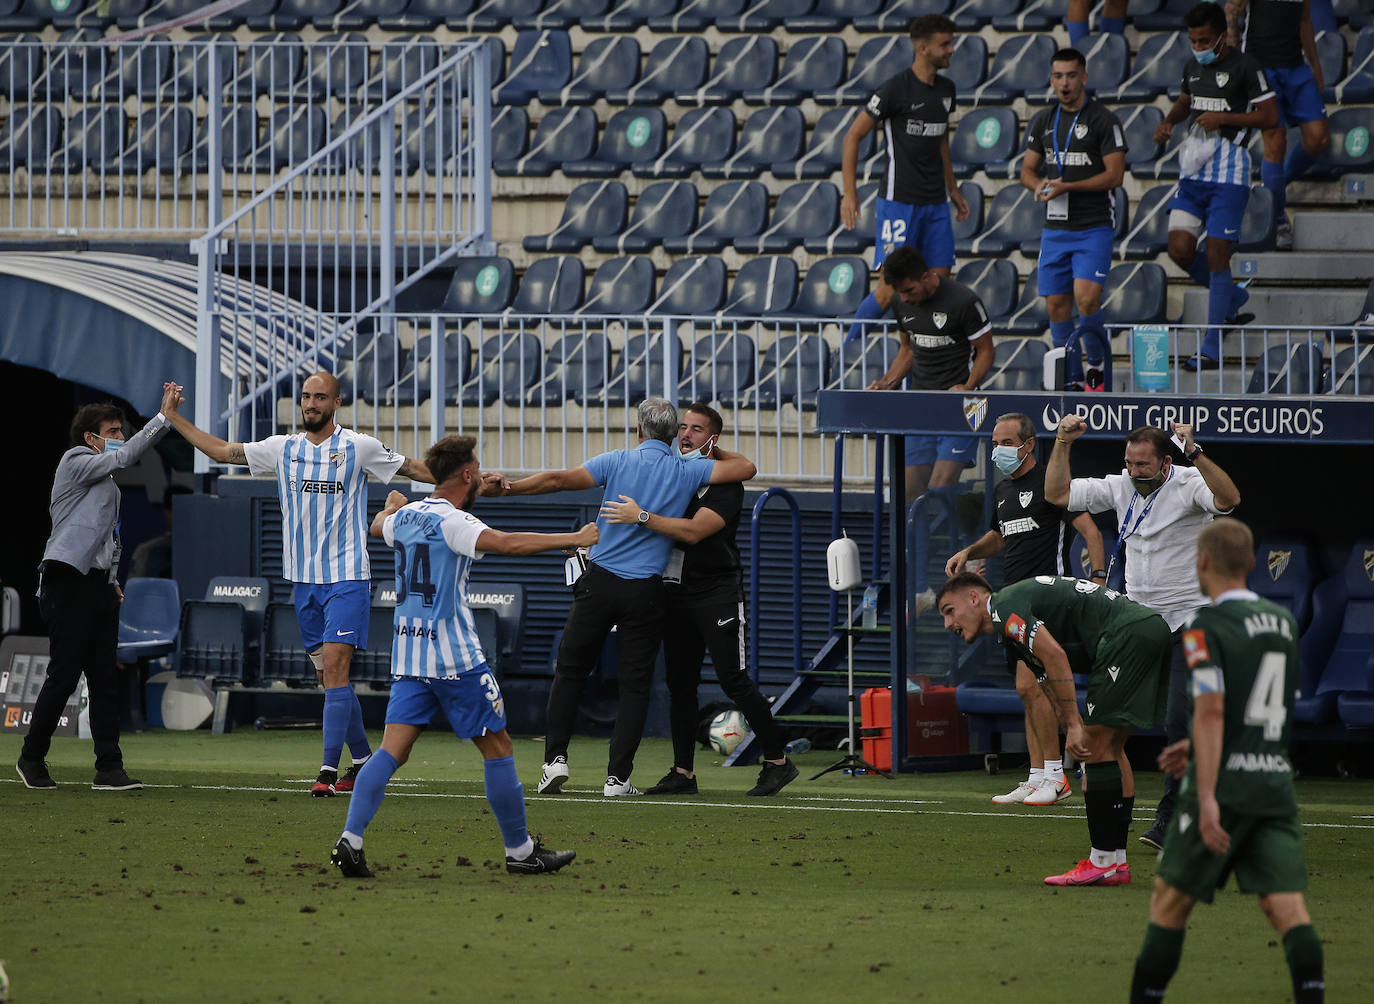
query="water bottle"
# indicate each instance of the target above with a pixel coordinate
(870, 607)
(797, 746)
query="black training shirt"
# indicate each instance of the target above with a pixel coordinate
(915, 120)
(942, 330)
(711, 567)
(1082, 139)
(1271, 32)
(1036, 534)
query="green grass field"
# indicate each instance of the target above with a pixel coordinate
(214, 884)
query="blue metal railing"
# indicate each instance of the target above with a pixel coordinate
(755, 538)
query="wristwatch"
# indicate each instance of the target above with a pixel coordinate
(1098, 573)
(1197, 452)
(643, 517)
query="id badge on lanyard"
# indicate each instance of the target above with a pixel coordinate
(1057, 209)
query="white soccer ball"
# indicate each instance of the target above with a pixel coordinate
(728, 730)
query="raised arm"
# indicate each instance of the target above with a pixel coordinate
(1224, 490)
(731, 467)
(212, 446)
(1057, 474)
(416, 471)
(704, 522)
(499, 542)
(1092, 540)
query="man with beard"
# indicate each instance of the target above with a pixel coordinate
(322, 486)
(437, 662)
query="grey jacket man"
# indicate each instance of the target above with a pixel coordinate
(85, 499)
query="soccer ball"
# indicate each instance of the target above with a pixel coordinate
(727, 731)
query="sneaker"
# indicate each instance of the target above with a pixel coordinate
(541, 860)
(614, 787)
(925, 599)
(1283, 235)
(1017, 795)
(674, 783)
(352, 863)
(1201, 362)
(1153, 838)
(774, 777)
(553, 775)
(1083, 873)
(1049, 793)
(1122, 876)
(345, 783)
(115, 780)
(34, 773)
(325, 785)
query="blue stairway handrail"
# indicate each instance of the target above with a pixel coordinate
(755, 532)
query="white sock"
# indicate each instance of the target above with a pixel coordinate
(1121, 855)
(522, 852)
(1037, 777)
(359, 763)
(355, 840)
(1102, 859)
(332, 770)
(1054, 771)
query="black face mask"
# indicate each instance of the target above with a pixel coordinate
(1147, 486)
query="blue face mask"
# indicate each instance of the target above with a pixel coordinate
(1207, 56)
(112, 444)
(1007, 458)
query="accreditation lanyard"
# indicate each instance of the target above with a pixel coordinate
(1127, 530)
(1068, 138)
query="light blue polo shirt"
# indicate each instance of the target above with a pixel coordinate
(662, 482)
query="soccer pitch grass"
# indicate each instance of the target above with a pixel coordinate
(214, 883)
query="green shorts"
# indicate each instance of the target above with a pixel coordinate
(1266, 854)
(1129, 682)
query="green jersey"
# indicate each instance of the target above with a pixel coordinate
(1246, 648)
(1079, 614)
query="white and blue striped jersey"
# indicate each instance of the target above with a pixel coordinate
(435, 636)
(1234, 83)
(323, 494)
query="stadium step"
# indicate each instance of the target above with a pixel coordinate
(1304, 267)
(1328, 231)
(1279, 307)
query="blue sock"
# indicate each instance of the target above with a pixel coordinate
(868, 311)
(1221, 292)
(1111, 25)
(368, 791)
(1198, 270)
(1077, 30)
(1096, 322)
(1297, 164)
(506, 796)
(1272, 177)
(1239, 298)
(338, 708)
(357, 735)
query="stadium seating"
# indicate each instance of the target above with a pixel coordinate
(480, 286)
(968, 65)
(695, 15)
(510, 129)
(293, 135)
(620, 286)
(238, 139)
(1138, 123)
(1135, 294)
(770, 135)
(550, 286)
(844, 240)
(1167, 16)
(735, 209)
(632, 136)
(402, 61)
(665, 209)
(895, 15)
(627, 15)
(493, 15)
(160, 139)
(539, 61)
(854, 365)
(1108, 58)
(283, 657)
(563, 136)
(606, 64)
(506, 601)
(876, 61)
(270, 64)
(1351, 149)
(1284, 572)
(1288, 369)
(563, 14)
(594, 209)
(692, 285)
(982, 12)
(811, 64)
(1156, 71)
(1013, 219)
(416, 383)
(1358, 84)
(703, 135)
(1148, 235)
(722, 368)
(793, 371)
(984, 136)
(806, 210)
(1033, 15)
(994, 280)
(379, 363)
(742, 64)
(1020, 67)
(373, 664)
(1352, 371)
(1314, 648)
(832, 15)
(1331, 53)
(674, 65)
(832, 287)
(1349, 672)
(1018, 364)
(335, 67)
(138, 69)
(75, 69)
(94, 138)
(638, 369)
(969, 227)
(210, 645)
(1030, 316)
(29, 136)
(506, 366)
(391, 15)
(577, 366)
(21, 64)
(824, 148)
(763, 287)
(764, 15)
(149, 620)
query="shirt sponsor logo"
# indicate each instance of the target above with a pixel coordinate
(1195, 648)
(318, 487)
(417, 631)
(1016, 628)
(1074, 158)
(1011, 527)
(1204, 104)
(1259, 763)
(931, 341)
(916, 127)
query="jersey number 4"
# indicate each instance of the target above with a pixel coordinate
(1266, 706)
(416, 579)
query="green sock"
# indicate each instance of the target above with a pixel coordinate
(1303, 950)
(1156, 963)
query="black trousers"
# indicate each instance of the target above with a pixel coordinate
(687, 636)
(82, 614)
(635, 607)
(1178, 712)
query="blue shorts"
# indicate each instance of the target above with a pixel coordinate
(921, 450)
(472, 702)
(1066, 255)
(1221, 208)
(1296, 90)
(336, 611)
(928, 229)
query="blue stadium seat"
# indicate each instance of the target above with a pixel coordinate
(675, 64)
(1314, 649)
(1014, 218)
(336, 66)
(854, 365)
(1351, 149)
(763, 287)
(620, 286)
(251, 594)
(664, 209)
(419, 15)
(510, 130)
(793, 370)
(897, 14)
(1109, 60)
(1167, 16)
(842, 240)
(632, 136)
(493, 15)
(1018, 364)
(824, 148)
(507, 601)
(496, 54)
(983, 137)
(806, 210)
(29, 136)
(743, 64)
(994, 280)
(283, 655)
(735, 209)
(1331, 53)
(832, 288)
(550, 286)
(594, 209)
(692, 285)
(1295, 368)
(1357, 85)
(702, 135)
(415, 385)
(607, 64)
(539, 61)
(722, 368)
(403, 60)
(292, 15)
(190, 74)
(94, 138)
(373, 665)
(1352, 371)
(1017, 70)
(1157, 70)
(160, 139)
(1257, 226)
(211, 642)
(811, 64)
(1284, 572)
(695, 15)
(380, 363)
(428, 136)
(95, 14)
(638, 370)
(226, 20)
(563, 14)
(1135, 294)
(290, 137)
(1034, 15)
(563, 137)
(149, 619)
(238, 141)
(765, 15)
(1355, 13)
(21, 64)
(137, 69)
(75, 68)
(506, 366)
(968, 65)
(576, 366)
(1138, 124)
(270, 65)
(25, 15)
(768, 136)
(358, 15)
(1148, 235)
(1030, 316)
(480, 286)
(970, 226)
(832, 15)
(876, 61)
(627, 15)
(981, 12)
(1349, 671)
